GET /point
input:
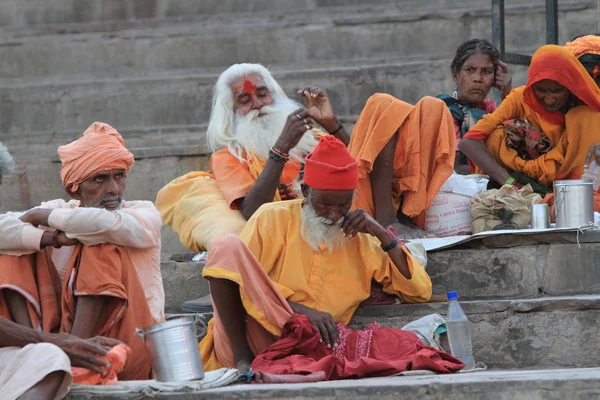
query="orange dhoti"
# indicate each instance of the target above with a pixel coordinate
(424, 156)
(267, 310)
(103, 270)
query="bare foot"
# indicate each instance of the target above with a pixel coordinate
(407, 230)
(243, 366)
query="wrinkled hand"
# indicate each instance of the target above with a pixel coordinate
(322, 321)
(36, 216)
(85, 353)
(63, 240)
(503, 79)
(317, 102)
(358, 221)
(294, 129)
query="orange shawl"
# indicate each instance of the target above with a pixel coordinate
(570, 135)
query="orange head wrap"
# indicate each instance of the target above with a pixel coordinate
(330, 166)
(589, 44)
(100, 148)
(559, 64)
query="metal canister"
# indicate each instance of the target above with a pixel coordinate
(173, 350)
(540, 217)
(573, 203)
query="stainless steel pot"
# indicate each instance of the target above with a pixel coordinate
(573, 203)
(173, 350)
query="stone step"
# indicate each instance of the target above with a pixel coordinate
(554, 384)
(547, 332)
(499, 267)
(299, 38)
(185, 98)
(15, 14)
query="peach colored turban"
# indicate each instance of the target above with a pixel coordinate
(589, 44)
(100, 148)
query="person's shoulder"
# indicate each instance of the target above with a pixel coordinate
(278, 210)
(139, 204)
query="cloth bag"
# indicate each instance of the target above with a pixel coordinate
(487, 206)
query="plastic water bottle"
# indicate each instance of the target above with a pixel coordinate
(592, 171)
(459, 334)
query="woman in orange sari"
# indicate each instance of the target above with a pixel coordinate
(542, 131)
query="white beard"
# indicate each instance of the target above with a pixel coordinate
(257, 134)
(316, 230)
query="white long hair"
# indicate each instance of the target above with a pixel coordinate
(222, 126)
(7, 165)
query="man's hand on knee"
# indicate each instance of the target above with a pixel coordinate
(322, 321)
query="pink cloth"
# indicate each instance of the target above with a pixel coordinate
(372, 352)
(136, 226)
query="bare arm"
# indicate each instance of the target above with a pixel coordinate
(476, 151)
(264, 189)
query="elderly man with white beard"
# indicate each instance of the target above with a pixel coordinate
(311, 256)
(260, 136)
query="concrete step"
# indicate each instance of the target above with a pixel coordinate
(500, 267)
(280, 37)
(16, 14)
(547, 332)
(185, 98)
(554, 384)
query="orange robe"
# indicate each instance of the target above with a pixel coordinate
(102, 270)
(272, 263)
(570, 135)
(424, 156)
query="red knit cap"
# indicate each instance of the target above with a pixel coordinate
(330, 166)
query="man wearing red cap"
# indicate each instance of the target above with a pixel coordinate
(90, 266)
(310, 256)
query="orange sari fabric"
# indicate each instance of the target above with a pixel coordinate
(570, 135)
(589, 44)
(103, 270)
(424, 157)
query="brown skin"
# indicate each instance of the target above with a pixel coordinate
(381, 187)
(85, 353)
(551, 95)
(105, 190)
(332, 204)
(319, 110)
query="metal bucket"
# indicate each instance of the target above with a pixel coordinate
(173, 350)
(573, 203)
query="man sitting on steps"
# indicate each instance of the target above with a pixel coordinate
(310, 256)
(252, 117)
(90, 266)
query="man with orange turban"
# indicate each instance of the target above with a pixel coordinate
(313, 256)
(90, 266)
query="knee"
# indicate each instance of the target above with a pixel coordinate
(227, 244)
(52, 351)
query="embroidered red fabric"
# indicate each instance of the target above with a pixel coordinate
(375, 351)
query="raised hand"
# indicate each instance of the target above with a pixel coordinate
(358, 221)
(298, 122)
(317, 102)
(503, 79)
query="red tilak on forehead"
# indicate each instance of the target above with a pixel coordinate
(249, 86)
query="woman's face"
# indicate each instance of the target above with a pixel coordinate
(475, 79)
(553, 96)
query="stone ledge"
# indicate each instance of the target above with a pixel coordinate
(573, 384)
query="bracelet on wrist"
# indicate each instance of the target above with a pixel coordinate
(392, 245)
(277, 155)
(337, 130)
(55, 239)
